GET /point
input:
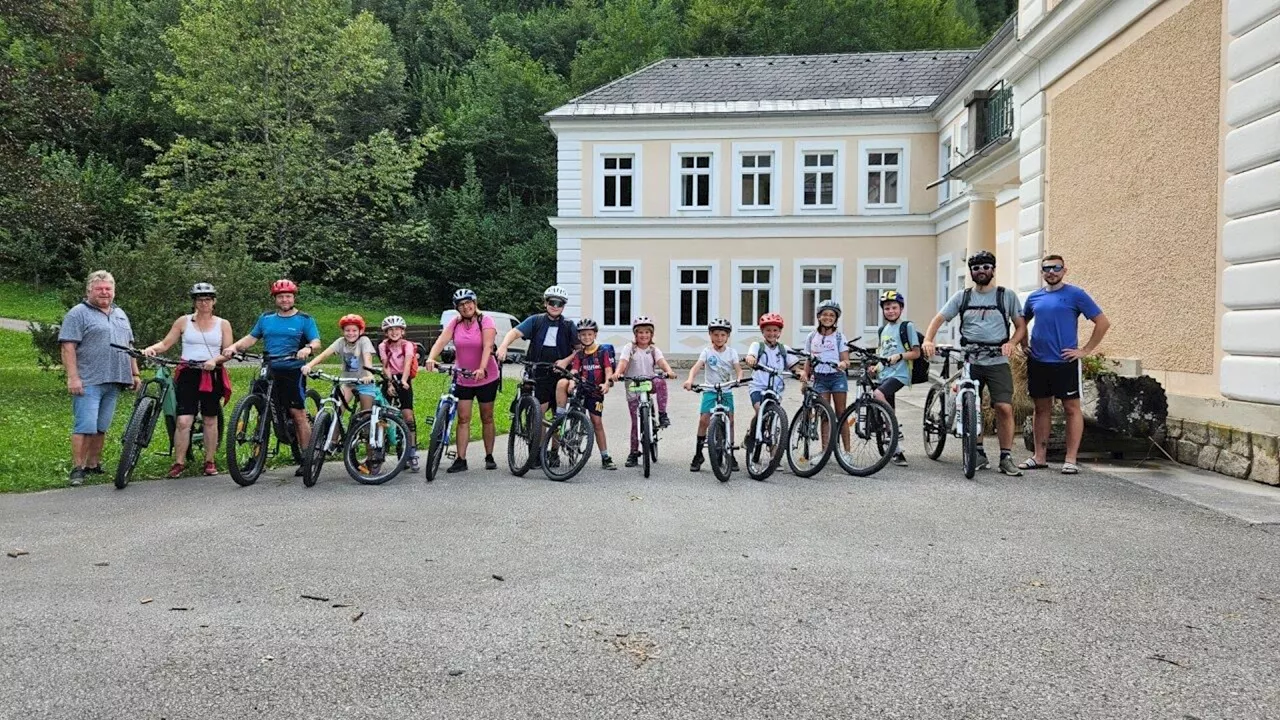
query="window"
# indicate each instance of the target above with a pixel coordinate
(883, 172)
(963, 144)
(876, 279)
(883, 169)
(616, 296)
(944, 165)
(695, 182)
(816, 284)
(755, 294)
(619, 179)
(757, 180)
(617, 185)
(944, 292)
(819, 179)
(695, 296)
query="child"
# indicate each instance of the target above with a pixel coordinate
(771, 354)
(639, 359)
(400, 363)
(827, 343)
(721, 363)
(897, 374)
(595, 368)
(356, 353)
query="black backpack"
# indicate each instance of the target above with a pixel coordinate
(919, 366)
(1004, 312)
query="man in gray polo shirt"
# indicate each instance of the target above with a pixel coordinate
(96, 372)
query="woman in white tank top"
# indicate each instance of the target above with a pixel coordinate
(203, 336)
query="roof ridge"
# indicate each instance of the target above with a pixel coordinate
(817, 55)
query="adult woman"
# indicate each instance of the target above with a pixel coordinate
(203, 334)
(473, 335)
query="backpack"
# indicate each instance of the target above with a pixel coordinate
(1004, 312)
(610, 356)
(919, 366)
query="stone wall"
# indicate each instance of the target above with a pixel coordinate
(1244, 455)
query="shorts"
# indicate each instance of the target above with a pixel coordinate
(594, 405)
(92, 412)
(484, 393)
(544, 389)
(997, 379)
(404, 394)
(1060, 380)
(186, 389)
(367, 389)
(826, 383)
(291, 388)
(709, 402)
(889, 388)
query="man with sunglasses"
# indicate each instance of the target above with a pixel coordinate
(985, 312)
(551, 338)
(1053, 365)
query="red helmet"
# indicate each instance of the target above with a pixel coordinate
(351, 319)
(283, 286)
(768, 319)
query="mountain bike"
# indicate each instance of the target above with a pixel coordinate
(328, 433)
(255, 417)
(147, 408)
(524, 440)
(647, 418)
(765, 443)
(377, 445)
(952, 405)
(567, 442)
(446, 411)
(870, 422)
(720, 445)
(811, 437)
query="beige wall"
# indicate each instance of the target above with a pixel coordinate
(1132, 187)
(1007, 251)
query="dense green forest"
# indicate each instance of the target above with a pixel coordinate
(384, 148)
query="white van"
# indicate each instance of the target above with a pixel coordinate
(502, 321)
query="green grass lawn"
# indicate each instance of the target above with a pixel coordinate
(327, 308)
(35, 421)
(20, 301)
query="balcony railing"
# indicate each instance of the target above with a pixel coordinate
(996, 116)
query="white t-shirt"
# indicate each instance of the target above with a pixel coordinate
(825, 347)
(549, 340)
(640, 363)
(718, 366)
(777, 357)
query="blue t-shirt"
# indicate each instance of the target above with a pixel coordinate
(1056, 314)
(890, 345)
(285, 336)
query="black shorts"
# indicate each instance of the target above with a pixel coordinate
(1060, 380)
(594, 405)
(404, 394)
(291, 387)
(889, 388)
(484, 393)
(544, 389)
(997, 379)
(186, 389)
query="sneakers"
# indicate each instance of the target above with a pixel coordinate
(983, 462)
(696, 465)
(413, 463)
(633, 459)
(490, 463)
(606, 463)
(76, 479)
(95, 470)
(733, 463)
(664, 421)
(899, 459)
(210, 467)
(459, 465)
(299, 472)
(553, 461)
(1009, 467)
(175, 470)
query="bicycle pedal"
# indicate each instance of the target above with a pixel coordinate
(451, 454)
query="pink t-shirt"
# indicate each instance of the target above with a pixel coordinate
(468, 341)
(394, 356)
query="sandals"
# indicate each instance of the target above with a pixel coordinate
(1070, 469)
(1031, 464)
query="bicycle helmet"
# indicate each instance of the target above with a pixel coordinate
(773, 319)
(893, 296)
(393, 321)
(587, 324)
(557, 292)
(982, 257)
(351, 319)
(720, 324)
(642, 321)
(283, 286)
(462, 295)
(203, 288)
(828, 305)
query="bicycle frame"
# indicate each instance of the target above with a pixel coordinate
(966, 385)
(449, 400)
(768, 397)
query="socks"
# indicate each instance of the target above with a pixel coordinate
(702, 441)
(1005, 453)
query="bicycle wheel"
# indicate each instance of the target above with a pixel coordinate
(436, 446)
(316, 454)
(764, 457)
(646, 438)
(807, 450)
(873, 436)
(718, 448)
(935, 422)
(567, 445)
(247, 445)
(311, 403)
(970, 429)
(375, 453)
(523, 440)
(134, 439)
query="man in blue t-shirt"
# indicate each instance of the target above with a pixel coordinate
(552, 338)
(1053, 365)
(289, 337)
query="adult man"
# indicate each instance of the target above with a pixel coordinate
(552, 338)
(1053, 365)
(95, 371)
(985, 312)
(289, 336)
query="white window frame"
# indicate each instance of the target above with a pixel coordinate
(599, 152)
(775, 181)
(774, 287)
(963, 146)
(945, 148)
(713, 295)
(804, 325)
(809, 147)
(900, 286)
(598, 289)
(679, 150)
(902, 146)
(944, 288)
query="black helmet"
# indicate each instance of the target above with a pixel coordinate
(587, 324)
(982, 257)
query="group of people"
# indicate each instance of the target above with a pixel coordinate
(989, 314)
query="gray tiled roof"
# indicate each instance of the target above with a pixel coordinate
(787, 77)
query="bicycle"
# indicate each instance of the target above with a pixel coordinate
(807, 427)
(255, 417)
(524, 440)
(570, 434)
(381, 432)
(446, 411)
(949, 393)
(328, 434)
(868, 419)
(147, 408)
(767, 431)
(720, 445)
(648, 422)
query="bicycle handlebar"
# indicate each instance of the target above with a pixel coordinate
(774, 372)
(718, 387)
(156, 359)
(320, 375)
(454, 370)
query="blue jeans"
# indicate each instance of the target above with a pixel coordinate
(92, 412)
(835, 382)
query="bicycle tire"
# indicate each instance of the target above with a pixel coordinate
(969, 428)
(718, 448)
(316, 454)
(806, 423)
(247, 427)
(935, 422)
(881, 424)
(134, 440)
(775, 426)
(388, 469)
(523, 437)
(436, 445)
(311, 404)
(580, 432)
(646, 438)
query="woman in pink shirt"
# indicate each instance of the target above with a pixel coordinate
(473, 335)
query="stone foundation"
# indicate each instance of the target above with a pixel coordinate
(1240, 454)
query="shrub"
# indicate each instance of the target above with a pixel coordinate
(44, 338)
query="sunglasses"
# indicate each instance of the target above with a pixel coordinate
(555, 303)
(982, 268)
(1052, 268)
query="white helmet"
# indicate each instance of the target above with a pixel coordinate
(828, 305)
(391, 321)
(720, 324)
(462, 295)
(203, 288)
(555, 291)
(642, 320)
